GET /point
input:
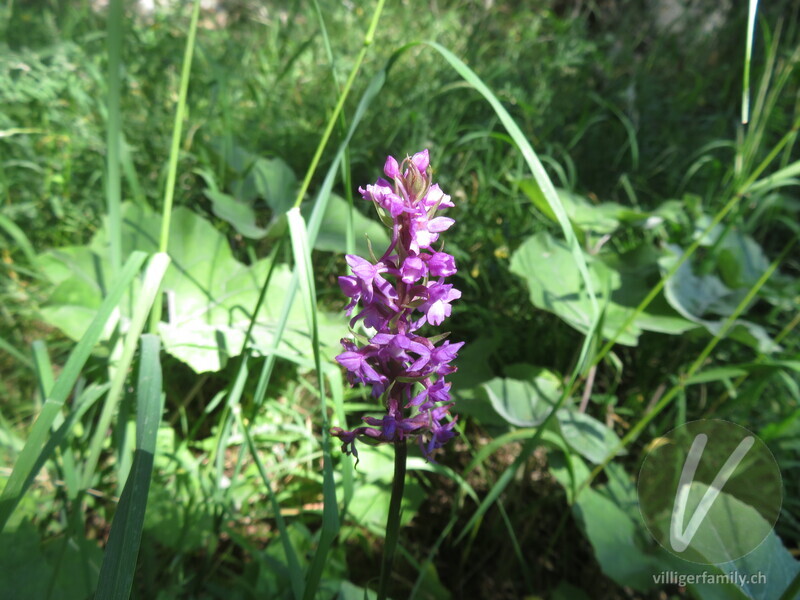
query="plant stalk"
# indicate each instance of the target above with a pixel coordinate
(393, 522)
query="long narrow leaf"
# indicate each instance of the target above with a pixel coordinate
(295, 571)
(119, 562)
(16, 234)
(785, 176)
(43, 367)
(152, 282)
(86, 400)
(114, 134)
(10, 349)
(748, 55)
(534, 164)
(330, 514)
(315, 221)
(23, 473)
(174, 151)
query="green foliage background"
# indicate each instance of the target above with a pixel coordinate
(220, 476)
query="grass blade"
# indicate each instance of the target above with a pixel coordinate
(86, 400)
(114, 134)
(10, 349)
(315, 221)
(119, 562)
(501, 484)
(43, 368)
(330, 514)
(152, 282)
(172, 169)
(295, 571)
(16, 234)
(534, 164)
(748, 55)
(312, 167)
(783, 177)
(23, 472)
(180, 115)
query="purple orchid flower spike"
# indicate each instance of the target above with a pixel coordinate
(399, 294)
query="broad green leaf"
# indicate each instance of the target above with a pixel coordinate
(734, 525)
(703, 298)
(731, 527)
(274, 181)
(524, 403)
(697, 296)
(555, 285)
(741, 260)
(771, 559)
(348, 591)
(236, 212)
(65, 567)
(77, 564)
(586, 218)
(260, 180)
(609, 517)
(586, 435)
(623, 552)
(474, 370)
(25, 570)
(268, 179)
(208, 292)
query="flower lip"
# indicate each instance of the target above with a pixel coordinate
(442, 264)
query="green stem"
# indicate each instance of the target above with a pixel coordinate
(174, 152)
(180, 113)
(393, 522)
(114, 133)
(340, 104)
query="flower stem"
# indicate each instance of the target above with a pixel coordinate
(393, 522)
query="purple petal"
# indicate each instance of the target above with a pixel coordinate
(350, 360)
(391, 168)
(421, 160)
(350, 286)
(442, 264)
(437, 312)
(436, 197)
(413, 269)
(439, 224)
